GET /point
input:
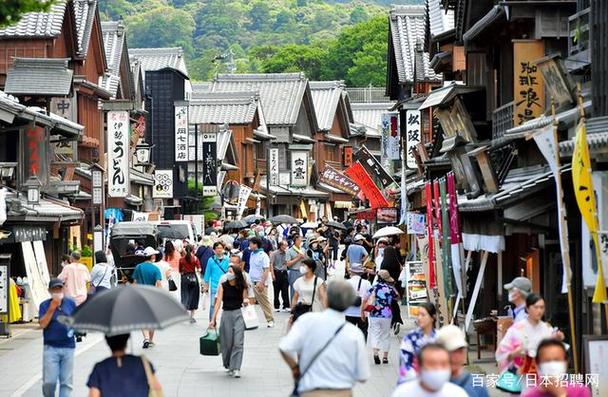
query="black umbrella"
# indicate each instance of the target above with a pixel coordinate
(252, 218)
(235, 225)
(210, 230)
(278, 219)
(336, 225)
(128, 308)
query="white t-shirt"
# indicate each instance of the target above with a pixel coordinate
(304, 288)
(364, 287)
(163, 266)
(413, 388)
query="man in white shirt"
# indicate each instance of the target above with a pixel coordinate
(361, 287)
(259, 272)
(434, 377)
(326, 354)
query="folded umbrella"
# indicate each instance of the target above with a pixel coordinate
(278, 219)
(388, 231)
(128, 308)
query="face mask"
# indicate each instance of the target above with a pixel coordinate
(552, 368)
(435, 379)
(230, 276)
(57, 295)
(512, 294)
(303, 269)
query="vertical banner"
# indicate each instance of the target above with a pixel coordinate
(244, 193)
(36, 154)
(445, 243)
(528, 87)
(181, 133)
(455, 235)
(273, 166)
(209, 163)
(358, 174)
(163, 184)
(299, 168)
(412, 130)
(390, 137)
(348, 156)
(429, 226)
(118, 153)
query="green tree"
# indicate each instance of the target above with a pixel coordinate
(369, 66)
(11, 11)
(296, 58)
(359, 14)
(259, 15)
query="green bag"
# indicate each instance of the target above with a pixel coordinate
(510, 382)
(210, 343)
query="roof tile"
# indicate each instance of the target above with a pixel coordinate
(223, 107)
(39, 76)
(326, 97)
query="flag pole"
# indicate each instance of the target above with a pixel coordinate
(564, 240)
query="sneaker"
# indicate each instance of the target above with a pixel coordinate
(230, 372)
(236, 373)
(146, 344)
(192, 320)
(270, 324)
(396, 328)
(385, 360)
(277, 310)
(286, 310)
(152, 344)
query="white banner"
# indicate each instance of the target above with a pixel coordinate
(273, 166)
(416, 223)
(299, 168)
(390, 137)
(163, 184)
(118, 153)
(412, 130)
(181, 133)
(244, 193)
(140, 216)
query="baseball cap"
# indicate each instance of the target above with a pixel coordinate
(523, 284)
(55, 282)
(359, 237)
(149, 251)
(452, 337)
(386, 276)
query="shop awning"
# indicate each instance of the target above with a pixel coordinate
(48, 210)
(445, 95)
(134, 200)
(140, 178)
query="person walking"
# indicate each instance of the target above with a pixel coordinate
(146, 273)
(325, 353)
(231, 296)
(358, 281)
(454, 340)
(309, 291)
(75, 276)
(519, 289)
(280, 281)
(433, 380)
(122, 374)
(317, 251)
(102, 275)
(217, 266)
(58, 341)
(259, 271)
(379, 304)
(391, 262)
(414, 340)
(356, 253)
(189, 270)
(172, 257)
(294, 257)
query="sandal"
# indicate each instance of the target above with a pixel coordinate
(376, 360)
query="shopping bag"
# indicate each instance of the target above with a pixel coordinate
(510, 382)
(210, 343)
(250, 316)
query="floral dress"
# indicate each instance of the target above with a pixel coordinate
(385, 295)
(410, 346)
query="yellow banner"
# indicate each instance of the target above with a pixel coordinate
(528, 86)
(585, 198)
(303, 209)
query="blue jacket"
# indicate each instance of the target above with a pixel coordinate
(216, 268)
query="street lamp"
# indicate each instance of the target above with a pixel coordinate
(142, 153)
(33, 186)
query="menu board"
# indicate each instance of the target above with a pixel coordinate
(415, 285)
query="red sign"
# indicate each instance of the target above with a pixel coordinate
(369, 215)
(358, 174)
(429, 224)
(348, 156)
(35, 143)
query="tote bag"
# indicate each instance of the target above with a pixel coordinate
(250, 316)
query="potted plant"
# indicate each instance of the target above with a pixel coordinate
(86, 257)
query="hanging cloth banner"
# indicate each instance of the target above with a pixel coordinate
(437, 207)
(429, 227)
(445, 244)
(359, 175)
(373, 167)
(546, 142)
(455, 236)
(585, 197)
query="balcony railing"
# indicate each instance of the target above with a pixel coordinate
(579, 44)
(502, 120)
(367, 94)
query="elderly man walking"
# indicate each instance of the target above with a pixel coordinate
(326, 354)
(75, 275)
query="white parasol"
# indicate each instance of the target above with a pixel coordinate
(388, 231)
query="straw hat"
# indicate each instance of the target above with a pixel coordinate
(386, 276)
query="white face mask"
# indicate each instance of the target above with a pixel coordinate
(434, 379)
(303, 269)
(230, 276)
(57, 295)
(552, 368)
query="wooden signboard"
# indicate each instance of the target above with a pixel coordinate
(528, 86)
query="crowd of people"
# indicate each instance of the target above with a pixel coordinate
(333, 318)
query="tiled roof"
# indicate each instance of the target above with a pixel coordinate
(84, 14)
(151, 59)
(326, 97)
(281, 93)
(200, 87)
(38, 24)
(113, 40)
(440, 21)
(39, 76)
(407, 25)
(370, 115)
(223, 107)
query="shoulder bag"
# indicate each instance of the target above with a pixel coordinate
(93, 288)
(295, 392)
(302, 308)
(358, 300)
(151, 392)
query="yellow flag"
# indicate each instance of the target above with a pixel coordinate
(303, 209)
(585, 198)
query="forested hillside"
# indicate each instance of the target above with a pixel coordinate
(339, 39)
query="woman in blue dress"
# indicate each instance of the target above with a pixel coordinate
(414, 340)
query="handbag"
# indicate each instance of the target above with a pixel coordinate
(172, 285)
(295, 392)
(509, 381)
(250, 316)
(151, 392)
(209, 344)
(370, 303)
(303, 308)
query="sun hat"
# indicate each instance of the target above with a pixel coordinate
(451, 337)
(149, 251)
(386, 276)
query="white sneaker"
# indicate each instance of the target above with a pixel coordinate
(270, 324)
(230, 372)
(236, 373)
(277, 310)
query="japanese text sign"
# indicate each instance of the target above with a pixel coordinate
(163, 184)
(390, 137)
(299, 168)
(412, 130)
(244, 193)
(209, 164)
(36, 153)
(358, 174)
(273, 166)
(118, 153)
(374, 168)
(348, 156)
(335, 178)
(528, 87)
(181, 133)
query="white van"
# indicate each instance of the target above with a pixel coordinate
(176, 230)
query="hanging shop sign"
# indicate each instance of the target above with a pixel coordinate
(416, 223)
(118, 153)
(209, 164)
(387, 215)
(369, 215)
(140, 216)
(335, 178)
(528, 84)
(244, 193)
(348, 156)
(412, 130)
(557, 81)
(273, 166)
(163, 184)
(299, 168)
(373, 168)
(390, 137)
(360, 176)
(181, 133)
(35, 149)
